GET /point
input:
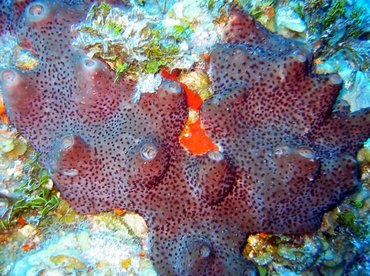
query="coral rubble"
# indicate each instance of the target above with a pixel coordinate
(285, 155)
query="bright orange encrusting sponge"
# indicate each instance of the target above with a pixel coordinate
(194, 138)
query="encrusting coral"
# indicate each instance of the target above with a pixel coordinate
(285, 156)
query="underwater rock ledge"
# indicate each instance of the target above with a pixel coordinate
(287, 149)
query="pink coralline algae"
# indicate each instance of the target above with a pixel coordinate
(286, 148)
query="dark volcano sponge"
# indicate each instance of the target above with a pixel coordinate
(286, 157)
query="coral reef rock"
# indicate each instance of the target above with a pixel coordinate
(286, 157)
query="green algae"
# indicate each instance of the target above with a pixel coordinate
(348, 220)
(336, 26)
(335, 11)
(69, 263)
(114, 28)
(121, 68)
(357, 204)
(140, 2)
(99, 10)
(357, 18)
(311, 6)
(262, 270)
(155, 47)
(34, 194)
(88, 244)
(260, 8)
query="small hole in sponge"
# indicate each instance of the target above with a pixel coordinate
(215, 155)
(67, 142)
(174, 87)
(70, 172)
(36, 9)
(299, 56)
(204, 251)
(281, 151)
(89, 62)
(8, 76)
(148, 152)
(306, 152)
(335, 79)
